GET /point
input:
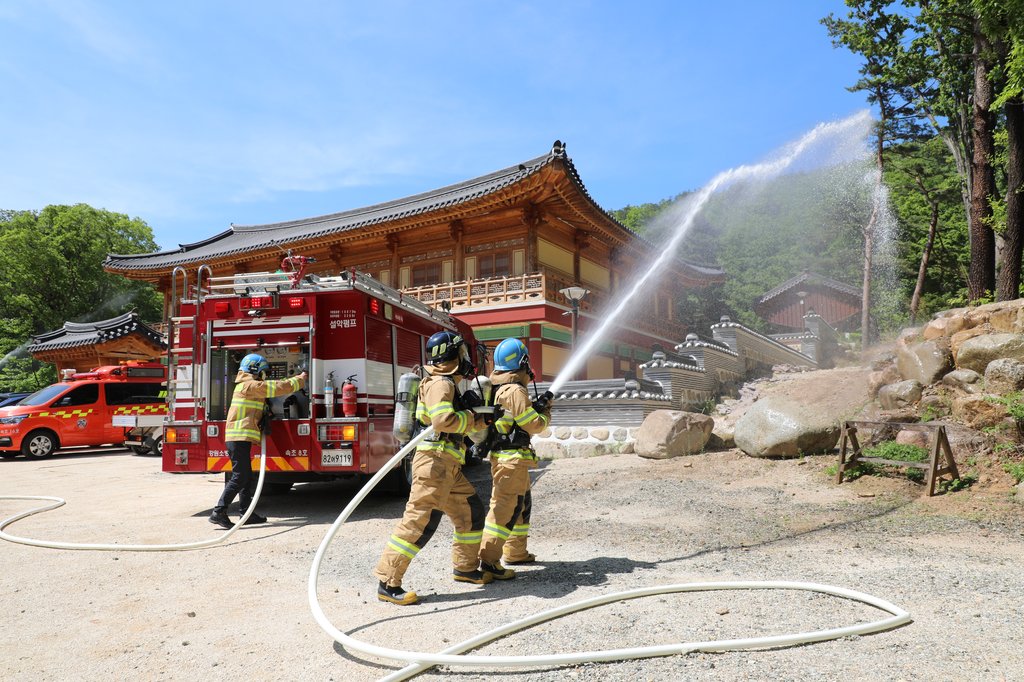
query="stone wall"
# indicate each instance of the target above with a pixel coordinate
(584, 441)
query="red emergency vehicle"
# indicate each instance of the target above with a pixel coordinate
(83, 409)
(353, 335)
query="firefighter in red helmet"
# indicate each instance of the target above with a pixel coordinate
(438, 484)
(508, 519)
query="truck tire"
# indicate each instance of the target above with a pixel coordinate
(140, 450)
(41, 443)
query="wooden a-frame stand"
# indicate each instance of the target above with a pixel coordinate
(939, 463)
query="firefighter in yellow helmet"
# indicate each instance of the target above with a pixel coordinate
(508, 519)
(243, 429)
(438, 484)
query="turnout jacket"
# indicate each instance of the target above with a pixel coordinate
(246, 409)
(440, 406)
(519, 415)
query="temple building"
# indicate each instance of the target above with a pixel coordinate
(786, 306)
(504, 251)
(86, 345)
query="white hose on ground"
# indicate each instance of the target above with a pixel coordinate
(57, 502)
(421, 661)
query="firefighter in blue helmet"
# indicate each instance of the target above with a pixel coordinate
(508, 519)
(438, 484)
(243, 429)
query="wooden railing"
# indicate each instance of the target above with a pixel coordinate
(532, 288)
(482, 293)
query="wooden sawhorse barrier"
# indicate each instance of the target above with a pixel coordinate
(939, 463)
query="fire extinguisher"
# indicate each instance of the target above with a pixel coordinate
(348, 396)
(329, 396)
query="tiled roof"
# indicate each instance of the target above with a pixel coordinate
(810, 278)
(241, 239)
(76, 334)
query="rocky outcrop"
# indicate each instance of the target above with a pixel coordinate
(1004, 375)
(783, 427)
(924, 361)
(975, 353)
(979, 412)
(965, 379)
(899, 395)
(671, 433)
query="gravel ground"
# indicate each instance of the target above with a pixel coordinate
(239, 611)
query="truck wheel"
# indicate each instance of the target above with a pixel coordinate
(139, 449)
(39, 444)
(158, 446)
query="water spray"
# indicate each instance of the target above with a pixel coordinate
(696, 203)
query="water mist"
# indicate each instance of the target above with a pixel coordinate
(827, 144)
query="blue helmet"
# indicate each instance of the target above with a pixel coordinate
(511, 356)
(254, 363)
(443, 346)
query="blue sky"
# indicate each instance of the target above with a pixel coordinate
(196, 115)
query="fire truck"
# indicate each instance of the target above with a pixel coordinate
(87, 409)
(356, 338)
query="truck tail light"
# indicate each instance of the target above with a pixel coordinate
(336, 432)
(295, 302)
(181, 434)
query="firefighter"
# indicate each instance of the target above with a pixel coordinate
(512, 457)
(438, 484)
(243, 429)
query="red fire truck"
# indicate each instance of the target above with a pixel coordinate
(354, 335)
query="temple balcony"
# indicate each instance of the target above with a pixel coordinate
(539, 289)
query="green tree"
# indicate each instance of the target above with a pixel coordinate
(51, 272)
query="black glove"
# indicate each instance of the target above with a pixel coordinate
(471, 399)
(543, 402)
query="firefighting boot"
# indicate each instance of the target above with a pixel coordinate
(475, 576)
(221, 519)
(395, 595)
(497, 571)
(525, 559)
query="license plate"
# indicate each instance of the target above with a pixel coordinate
(336, 458)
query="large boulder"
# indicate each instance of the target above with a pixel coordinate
(924, 362)
(778, 426)
(882, 377)
(958, 339)
(975, 353)
(1001, 316)
(899, 395)
(947, 323)
(965, 379)
(671, 433)
(1004, 375)
(980, 412)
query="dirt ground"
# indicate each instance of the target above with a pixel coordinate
(239, 610)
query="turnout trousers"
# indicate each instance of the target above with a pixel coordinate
(242, 482)
(508, 519)
(438, 487)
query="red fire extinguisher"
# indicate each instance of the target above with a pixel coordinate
(348, 397)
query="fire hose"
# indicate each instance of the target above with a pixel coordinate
(55, 502)
(453, 656)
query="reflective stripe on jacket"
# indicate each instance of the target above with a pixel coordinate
(243, 423)
(511, 394)
(436, 408)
